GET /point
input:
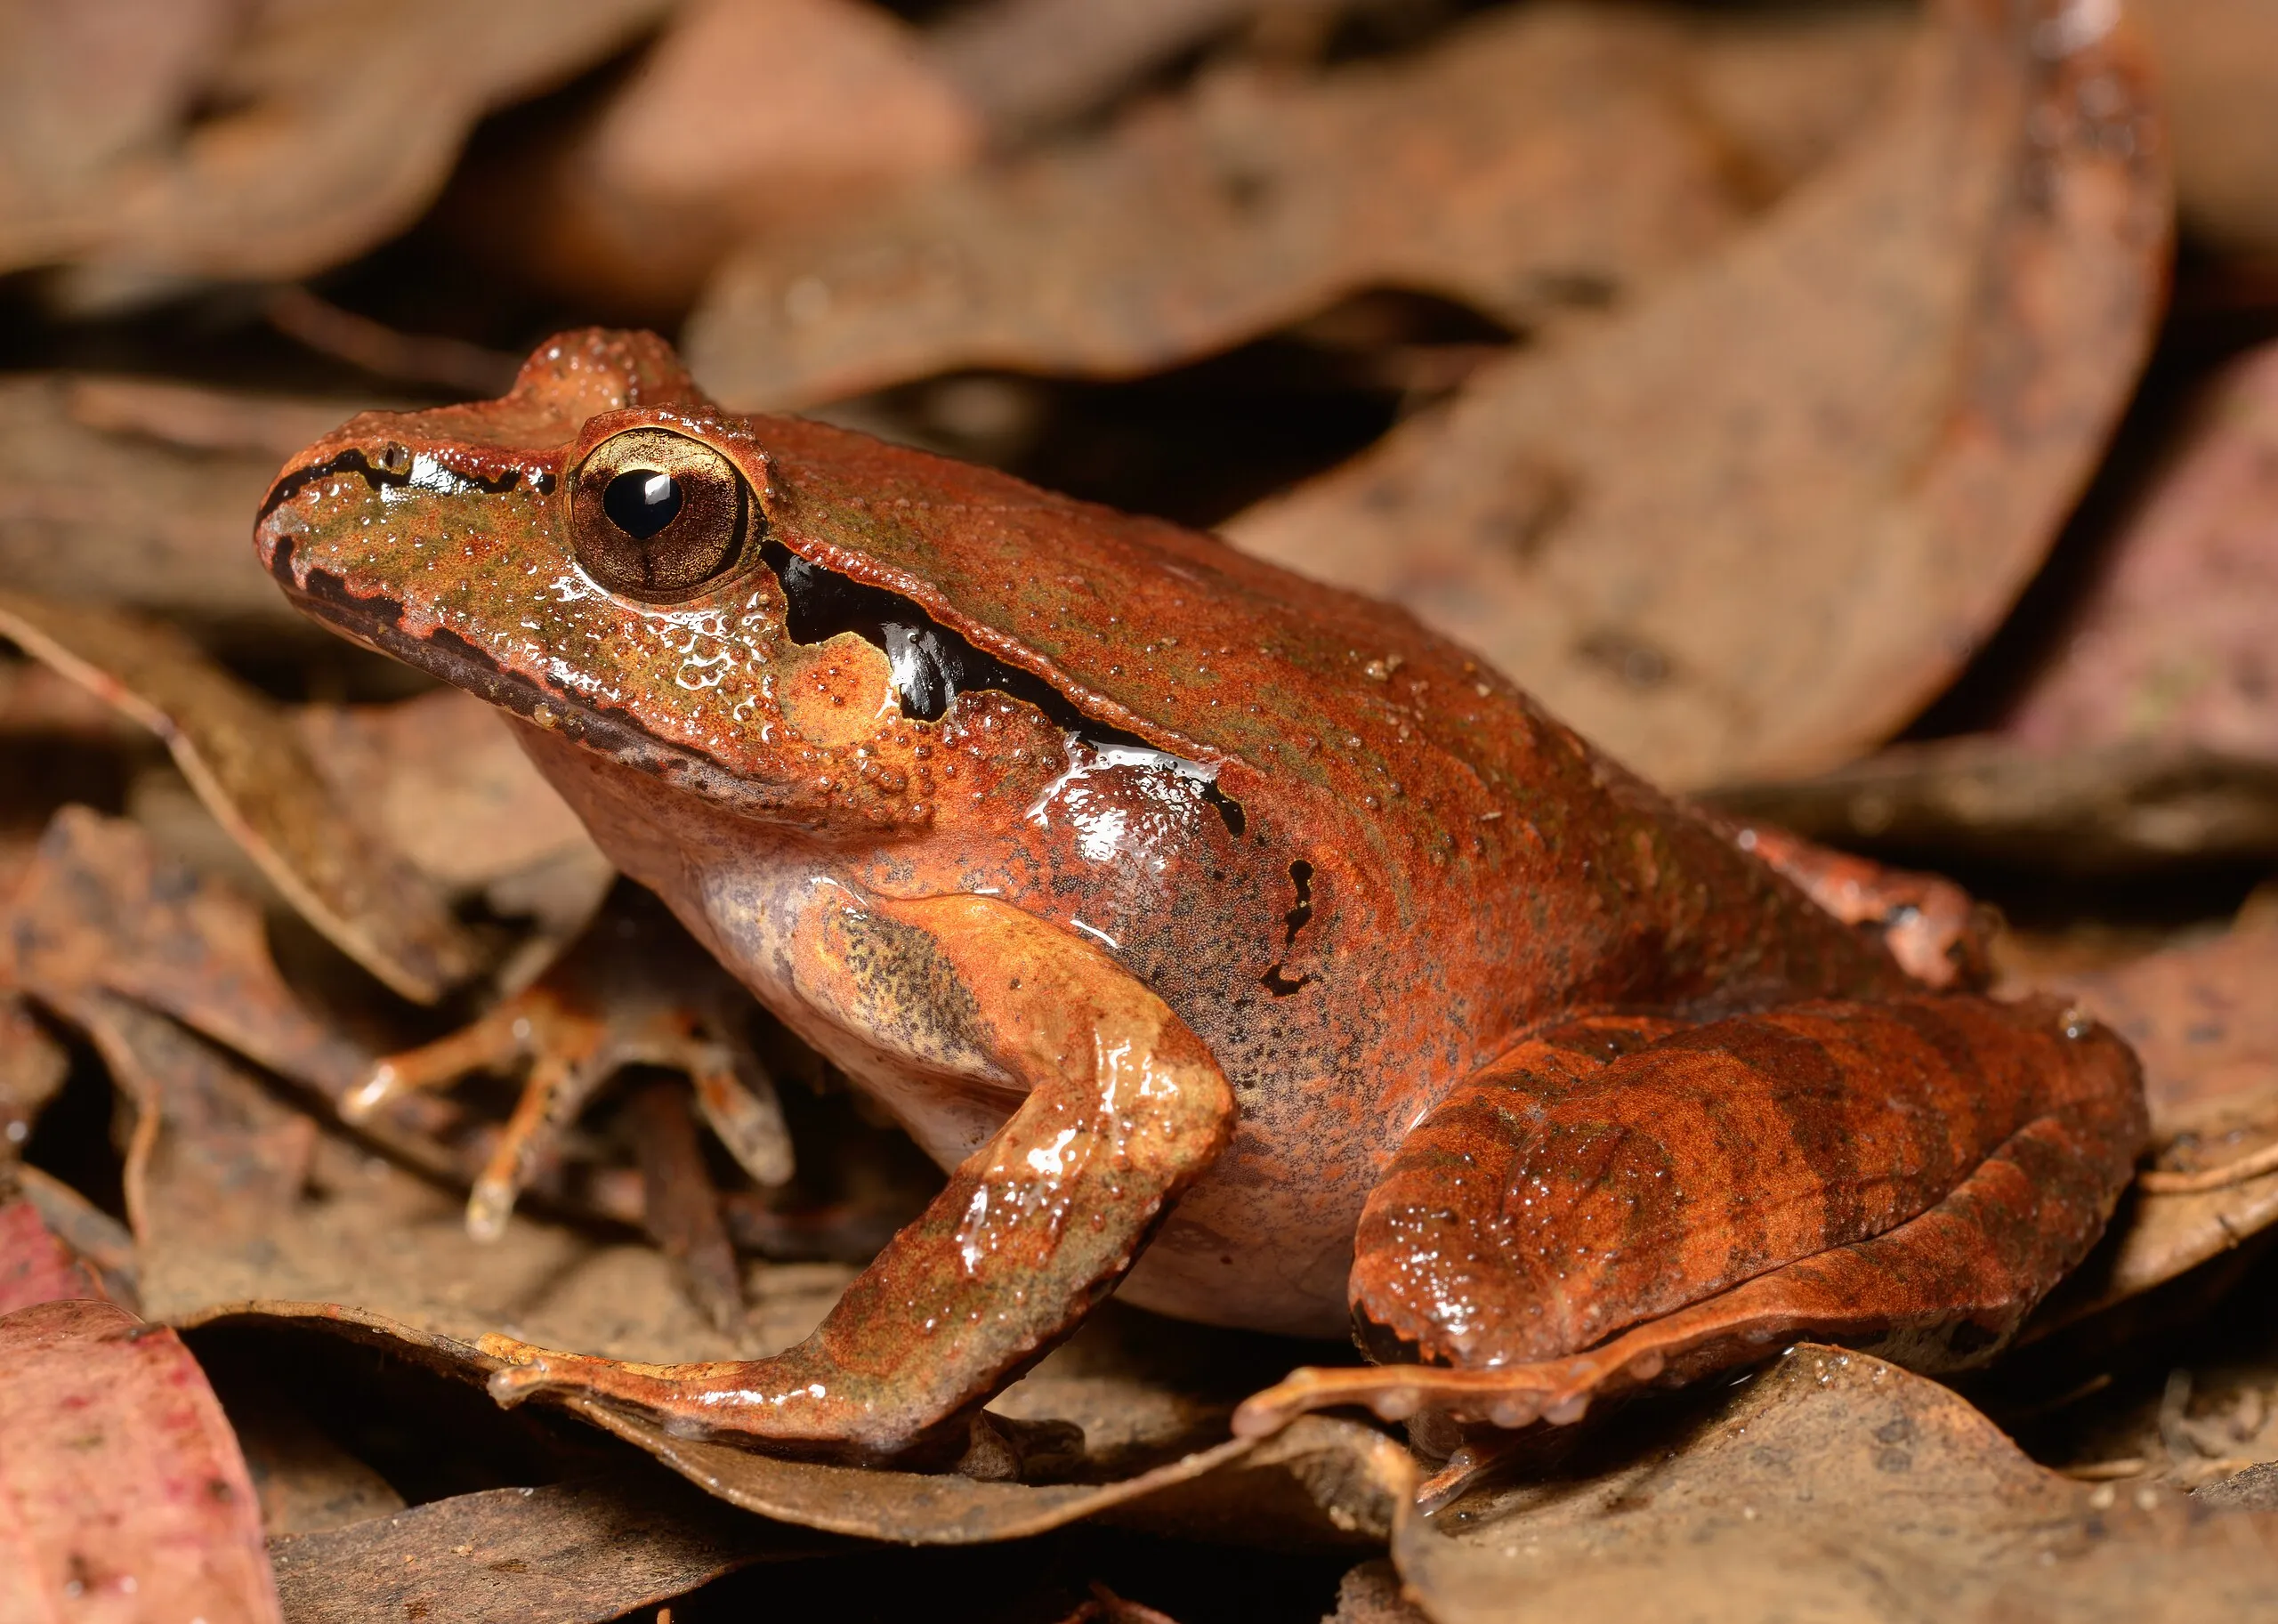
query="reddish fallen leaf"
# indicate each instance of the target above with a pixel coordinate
(338, 122)
(1533, 157)
(35, 1265)
(239, 750)
(2172, 639)
(1837, 1487)
(2218, 60)
(122, 1493)
(1754, 522)
(97, 1239)
(573, 1553)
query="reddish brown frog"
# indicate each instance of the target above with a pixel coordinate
(1237, 944)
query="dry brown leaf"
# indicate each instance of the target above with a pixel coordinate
(100, 910)
(239, 751)
(143, 495)
(85, 87)
(2113, 808)
(32, 1068)
(441, 776)
(122, 1493)
(631, 211)
(1754, 522)
(1839, 1489)
(2256, 1489)
(2218, 60)
(1534, 156)
(2173, 638)
(1029, 63)
(341, 120)
(1373, 1594)
(572, 1553)
(2202, 1019)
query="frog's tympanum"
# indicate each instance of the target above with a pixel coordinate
(1237, 944)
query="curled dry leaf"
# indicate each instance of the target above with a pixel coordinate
(342, 119)
(572, 1553)
(2202, 1019)
(1837, 1487)
(1755, 521)
(122, 1492)
(1535, 156)
(239, 751)
(2123, 807)
(1349, 1481)
(143, 494)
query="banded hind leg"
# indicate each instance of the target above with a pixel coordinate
(1625, 1200)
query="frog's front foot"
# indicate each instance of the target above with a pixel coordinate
(790, 1399)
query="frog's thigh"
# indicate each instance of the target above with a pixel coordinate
(1124, 1108)
(1543, 1209)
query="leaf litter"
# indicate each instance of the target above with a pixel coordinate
(2020, 221)
(1612, 517)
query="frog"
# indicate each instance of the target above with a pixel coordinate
(1236, 945)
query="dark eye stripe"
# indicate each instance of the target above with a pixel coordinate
(932, 665)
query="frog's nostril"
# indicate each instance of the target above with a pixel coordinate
(641, 501)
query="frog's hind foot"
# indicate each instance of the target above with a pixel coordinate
(1590, 1202)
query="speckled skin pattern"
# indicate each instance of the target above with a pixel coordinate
(1376, 868)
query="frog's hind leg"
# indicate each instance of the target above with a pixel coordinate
(1914, 1175)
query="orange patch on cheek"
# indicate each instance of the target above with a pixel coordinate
(839, 693)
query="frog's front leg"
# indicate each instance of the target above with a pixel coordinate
(1125, 1109)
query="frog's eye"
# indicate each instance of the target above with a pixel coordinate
(654, 514)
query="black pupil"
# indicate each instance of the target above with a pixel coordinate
(641, 501)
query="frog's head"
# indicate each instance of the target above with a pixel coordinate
(745, 609)
(607, 555)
